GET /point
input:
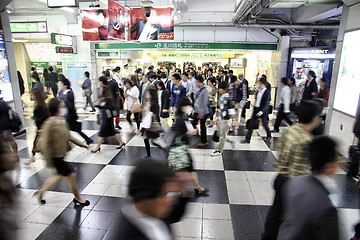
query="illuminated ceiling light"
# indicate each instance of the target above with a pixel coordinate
(67, 9)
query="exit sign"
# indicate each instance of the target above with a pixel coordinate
(28, 27)
(64, 50)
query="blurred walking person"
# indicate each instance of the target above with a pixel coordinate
(54, 145)
(284, 106)
(8, 194)
(164, 104)
(53, 78)
(86, 86)
(41, 113)
(132, 95)
(107, 127)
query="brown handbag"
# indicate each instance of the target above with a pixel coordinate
(136, 108)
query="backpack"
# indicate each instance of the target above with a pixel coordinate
(14, 121)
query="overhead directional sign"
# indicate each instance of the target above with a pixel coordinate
(61, 39)
(28, 27)
(64, 50)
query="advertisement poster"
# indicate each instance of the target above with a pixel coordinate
(95, 24)
(5, 85)
(116, 21)
(158, 26)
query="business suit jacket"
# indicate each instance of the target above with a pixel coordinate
(140, 25)
(53, 79)
(165, 103)
(87, 85)
(169, 85)
(264, 103)
(308, 213)
(125, 229)
(310, 89)
(148, 87)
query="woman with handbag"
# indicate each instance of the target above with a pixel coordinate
(134, 106)
(41, 113)
(54, 144)
(108, 112)
(179, 157)
(151, 108)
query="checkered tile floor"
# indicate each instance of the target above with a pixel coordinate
(240, 184)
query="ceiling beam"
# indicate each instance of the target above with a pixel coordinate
(3, 4)
(312, 13)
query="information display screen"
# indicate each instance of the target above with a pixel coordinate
(5, 85)
(348, 82)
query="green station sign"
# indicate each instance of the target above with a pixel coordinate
(193, 55)
(28, 27)
(188, 45)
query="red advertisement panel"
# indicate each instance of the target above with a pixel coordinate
(158, 26)
(95, 24)
(116, 20)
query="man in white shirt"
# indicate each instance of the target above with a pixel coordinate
(185, 82)
(192, 86)
(117, 77)
(284, 106)
(125, 73)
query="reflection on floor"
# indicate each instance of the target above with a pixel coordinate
(240, 184)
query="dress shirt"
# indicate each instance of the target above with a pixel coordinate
(152, 228)
(285, 98)
(259, 97)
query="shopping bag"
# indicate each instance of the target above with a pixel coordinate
(136, 108)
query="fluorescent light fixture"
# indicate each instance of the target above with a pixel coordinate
(67, 9)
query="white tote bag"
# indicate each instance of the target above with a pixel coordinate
(146, 122)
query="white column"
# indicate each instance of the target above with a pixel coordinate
(284, 49)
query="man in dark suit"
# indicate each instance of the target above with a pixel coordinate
(53, 79)
(311, 87)
(223, 76)
(261, 109)
(86, 86)
(151, 210)
(309, 213)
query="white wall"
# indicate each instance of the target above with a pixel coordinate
(223, 34)
(339, 125)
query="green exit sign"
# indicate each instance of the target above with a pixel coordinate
(28, 27)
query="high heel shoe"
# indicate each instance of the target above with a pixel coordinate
(99, 149)
(121, 147)
(41, 201)
(86, 203)
(201, 193)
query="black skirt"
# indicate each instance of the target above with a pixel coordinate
(62, 167)
(107, 128)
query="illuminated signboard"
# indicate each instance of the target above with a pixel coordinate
(63, 3)
(61, 39)
(64, 50)
(28, 27)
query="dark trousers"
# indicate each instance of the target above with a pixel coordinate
(243, 113)
(33, 151)
(274, 217)
(212, 112)
(136, 118)
(147, 147)
(202, 126)
(90, 102)
(263, 118)
(54, 89)
(282, 116)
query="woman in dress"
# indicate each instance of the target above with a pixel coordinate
(107, 127)
(41, 113)
(132, 97)
(54, 145)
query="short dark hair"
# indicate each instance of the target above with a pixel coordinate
(192, 74)
(263, 80)
(322, 150)
(148, 179)
(284, 80)
(139, 70)
(107, 73)
(324, 80)
(312, 73)
(212, 80)
(114, 70)
(129, 82)
(162, 75)
(126, 65)
(186, 74)
(32, 69)
(100, 11)
(178, 70)
(152, 75)
(117, 68)
(87, 74)
(307, 111)
(264, 76)
(293, 81)
(223, 85)
(66, 82)
(50, 69)
(161, 84)
(103, 79)
(53, 106)
(177, 76)
(199, 78)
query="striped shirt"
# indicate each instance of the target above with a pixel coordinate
(293, 157)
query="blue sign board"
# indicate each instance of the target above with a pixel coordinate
(314, 53)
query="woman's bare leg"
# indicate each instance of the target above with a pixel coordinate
(74, 188)
(100, 141)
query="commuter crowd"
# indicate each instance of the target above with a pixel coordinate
(165, 108)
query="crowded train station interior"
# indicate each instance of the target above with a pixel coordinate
(179, 119)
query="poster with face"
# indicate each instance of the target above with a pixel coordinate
(95, 24)
(158, 26)
(116, 20)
